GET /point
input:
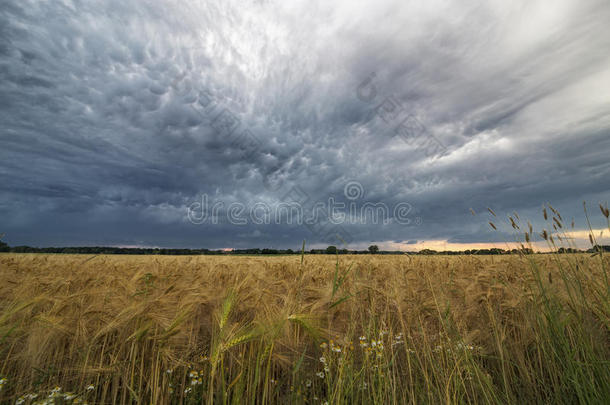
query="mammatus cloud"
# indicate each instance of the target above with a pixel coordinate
(117, 116)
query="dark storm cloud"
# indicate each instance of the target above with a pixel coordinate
(119, 115)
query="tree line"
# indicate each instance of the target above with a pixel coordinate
(373, 249)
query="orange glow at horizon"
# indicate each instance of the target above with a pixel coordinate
(578, 239)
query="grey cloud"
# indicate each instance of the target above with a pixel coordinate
(111, 115)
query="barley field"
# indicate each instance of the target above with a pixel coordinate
(304, 329)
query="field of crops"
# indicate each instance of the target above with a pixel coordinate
(312, 329)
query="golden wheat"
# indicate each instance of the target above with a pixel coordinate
(163, 329)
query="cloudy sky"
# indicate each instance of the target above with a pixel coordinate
(121, 119)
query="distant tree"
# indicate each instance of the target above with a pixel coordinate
(598, 249)
(373, 249)
(568, 250)
(331, 250)
(289, 251)
(23, 249)
(4, 247)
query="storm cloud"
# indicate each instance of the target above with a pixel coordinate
(117, 116)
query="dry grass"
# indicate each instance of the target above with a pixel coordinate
(160, 329)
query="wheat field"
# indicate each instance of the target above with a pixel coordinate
(304, 329)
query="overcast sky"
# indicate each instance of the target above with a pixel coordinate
(119, 116)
